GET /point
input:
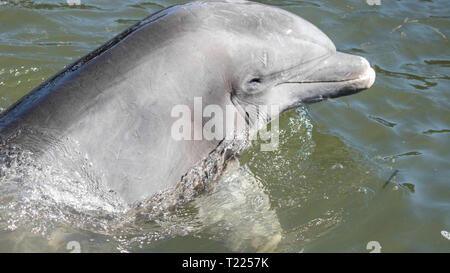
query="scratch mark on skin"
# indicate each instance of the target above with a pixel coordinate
(264, 59)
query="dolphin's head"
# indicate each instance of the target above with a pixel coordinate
(281, 59)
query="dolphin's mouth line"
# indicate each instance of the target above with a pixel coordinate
(300, 82)
(366, 75)
(336, 81)
(341, 69)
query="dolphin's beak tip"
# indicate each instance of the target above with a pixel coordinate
(372, 77)
(368, 76)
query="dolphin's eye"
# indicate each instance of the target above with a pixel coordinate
(253, 84)
(255, 81)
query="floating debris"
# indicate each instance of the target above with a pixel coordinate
(431, 131)
(390, 178)
(409, 186)
(407, 21)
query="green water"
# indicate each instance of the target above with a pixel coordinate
(327, 184)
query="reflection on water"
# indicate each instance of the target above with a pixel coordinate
(329, 187)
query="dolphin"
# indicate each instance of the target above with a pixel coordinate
(114, 104)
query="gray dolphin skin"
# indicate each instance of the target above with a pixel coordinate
(115, 103)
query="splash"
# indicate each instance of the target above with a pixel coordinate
(58, 195)
(59, 187)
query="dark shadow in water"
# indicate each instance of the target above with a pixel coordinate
(409, 76)
(32, 5)
(441, 63)
(146, 5)
(383, 122)
(431, 131)
(288, 3)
